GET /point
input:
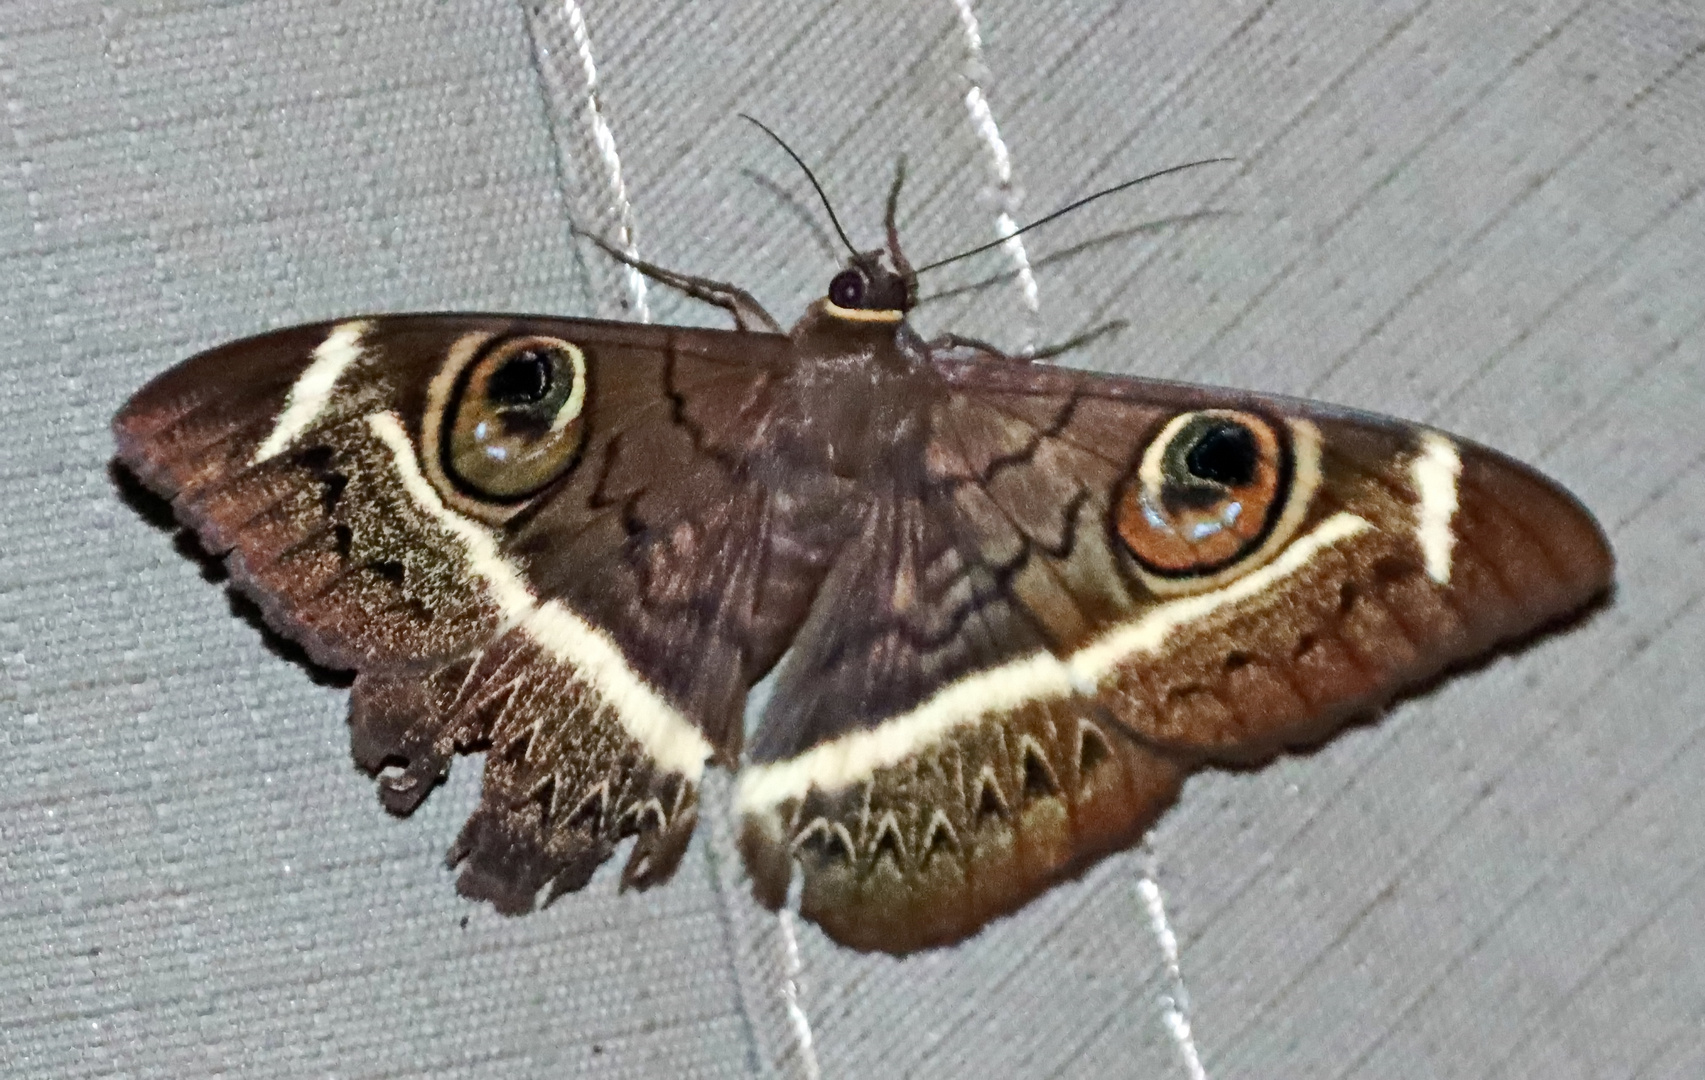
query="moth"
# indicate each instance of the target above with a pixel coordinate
(1003, 608)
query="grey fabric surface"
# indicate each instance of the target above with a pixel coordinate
(1481, 216)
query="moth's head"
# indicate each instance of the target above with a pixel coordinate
(872, 288)
(875, 286)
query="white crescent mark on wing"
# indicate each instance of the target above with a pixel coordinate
(312, 391)
(1436, 472)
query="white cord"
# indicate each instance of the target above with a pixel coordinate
(1000, 159)
(790, 985)
(605, 141)
(1175, 1003)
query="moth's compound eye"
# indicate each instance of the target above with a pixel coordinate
(1208, 494)
(847, 289)
(515, 418)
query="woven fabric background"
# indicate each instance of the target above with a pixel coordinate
(1487, 216)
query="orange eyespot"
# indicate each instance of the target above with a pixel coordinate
(515, 419)
(1206, 496)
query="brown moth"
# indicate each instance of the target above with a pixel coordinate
(1008, 607)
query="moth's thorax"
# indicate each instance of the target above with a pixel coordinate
(860, 392)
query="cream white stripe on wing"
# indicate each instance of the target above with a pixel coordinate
(1094, 662)
(605, 140)
(1038, 677)
(1436, 471)
(312, 390)
(670, 738)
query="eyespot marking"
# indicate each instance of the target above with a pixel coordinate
(511, 421)
(1214, 495)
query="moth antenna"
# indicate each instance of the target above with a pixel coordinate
(1074, 251)
(890, 222)
(1068, 208)
(809, 175)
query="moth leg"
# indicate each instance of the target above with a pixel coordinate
(748, 313)
(952, 346)
(959, 347)
(1076, 341)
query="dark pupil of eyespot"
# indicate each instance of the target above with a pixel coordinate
(847, 289)
(1225, 455)
(523, 379)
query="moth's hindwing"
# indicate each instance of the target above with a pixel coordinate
(448, 505)
(1132, 579)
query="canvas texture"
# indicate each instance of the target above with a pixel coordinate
(1483, 216)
